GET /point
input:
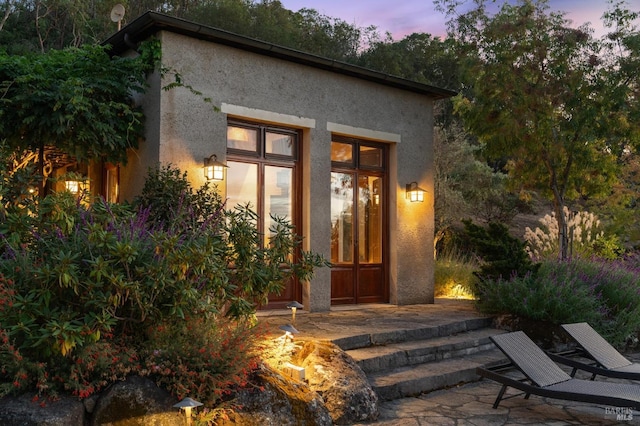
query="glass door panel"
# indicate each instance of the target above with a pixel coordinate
(278, 195)
(342, 237)
(369, 219)
(242, 184)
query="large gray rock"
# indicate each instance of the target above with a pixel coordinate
(342, 384)
(23, 411)
(136, 401)
(274, 400)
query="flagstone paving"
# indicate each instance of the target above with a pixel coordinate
(472, 405)
(465, 405)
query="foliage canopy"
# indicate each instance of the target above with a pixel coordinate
(539, 95)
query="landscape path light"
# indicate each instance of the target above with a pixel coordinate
(289, 331)
(187, 404)
(294, 306)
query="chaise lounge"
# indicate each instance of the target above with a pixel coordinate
(545, 378)
(602, 358)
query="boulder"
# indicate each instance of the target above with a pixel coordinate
(344, 387)
(273, 400)
(25, 411)
(136, 401)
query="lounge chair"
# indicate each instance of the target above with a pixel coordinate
(547, 379)
(601, 358)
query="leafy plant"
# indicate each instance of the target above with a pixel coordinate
(82, 282)
(202, 359)
(605, 294)
(501, 255)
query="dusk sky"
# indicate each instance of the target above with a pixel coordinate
(403, 17)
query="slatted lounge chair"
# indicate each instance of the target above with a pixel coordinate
(545, 378)
(599, 357)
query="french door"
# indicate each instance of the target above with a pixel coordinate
(358, 222)
(262, 172)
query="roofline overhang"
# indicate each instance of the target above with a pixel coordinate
(149, 23)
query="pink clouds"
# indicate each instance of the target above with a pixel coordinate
(402, 18)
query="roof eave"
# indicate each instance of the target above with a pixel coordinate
(150, 23)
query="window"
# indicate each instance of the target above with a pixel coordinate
(262, 170)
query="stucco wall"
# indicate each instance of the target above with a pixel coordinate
(246, 85)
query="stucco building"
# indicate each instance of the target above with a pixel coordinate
(333, 147)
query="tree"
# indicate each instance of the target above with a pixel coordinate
(538, 97)
(77, 101)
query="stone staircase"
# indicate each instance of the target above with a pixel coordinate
(408, 362)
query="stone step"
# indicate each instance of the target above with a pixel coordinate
(403, 334)
(414, 380)
(374, 359)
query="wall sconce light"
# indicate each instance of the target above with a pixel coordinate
(414, 193)
(72, 186)
(76, 184)
(294, 306)
(214, 169)
(187, 404)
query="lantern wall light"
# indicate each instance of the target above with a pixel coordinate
(414, 193)
(72, 186)
(214, 169)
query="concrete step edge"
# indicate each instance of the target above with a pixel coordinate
(399, 358)
(407, 382)
(411, 334)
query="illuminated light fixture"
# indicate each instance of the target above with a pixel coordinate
(294, 306)
(214, 169)
(289, 331)
(72, 186)
(187, 404)
(414, 193)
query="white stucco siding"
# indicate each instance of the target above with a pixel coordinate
(325, 101)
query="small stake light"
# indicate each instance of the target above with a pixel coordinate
(294, 306)
(414, 193)
(214, 169)
(187, 404)
(289, 331)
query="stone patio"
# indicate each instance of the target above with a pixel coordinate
(468, 404)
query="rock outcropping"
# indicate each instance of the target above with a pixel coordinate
(335, 391)
(343, 386)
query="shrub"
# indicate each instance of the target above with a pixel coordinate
(202, 359)
(83, 281)
(604, 294)
(501, 255)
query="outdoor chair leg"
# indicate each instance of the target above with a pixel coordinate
(500, 395)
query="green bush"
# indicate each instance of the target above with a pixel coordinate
(201, 359)
(604, 294)
(82, 281)
(501, 255)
